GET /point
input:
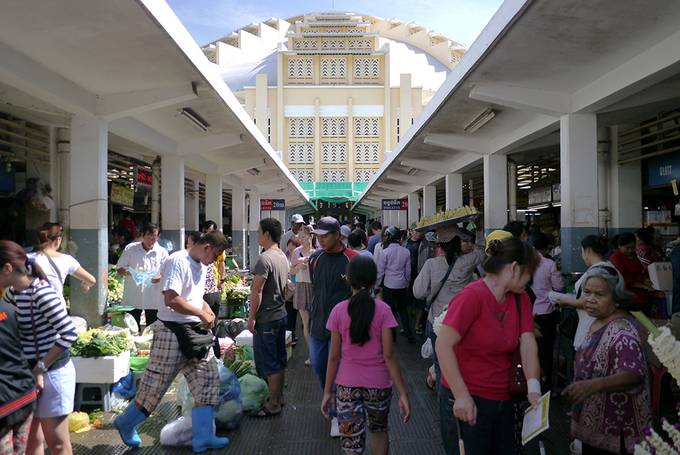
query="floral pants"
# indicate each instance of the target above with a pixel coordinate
(358, 408)
(13, 439)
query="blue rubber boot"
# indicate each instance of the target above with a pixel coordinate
(126, 424)
(203, 433)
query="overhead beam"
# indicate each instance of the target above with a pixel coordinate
(461, 160)
(417, 179)
(459, 142)
(138, 132)
(119, 105)
(530, 131)
(645, 69)
(425, 165)
(209, 143)
(237, 166)
(21, 72)
(522, 98)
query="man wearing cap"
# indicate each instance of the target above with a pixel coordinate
(296, 222)
(345, 232)
(328, 271)
(437, 284)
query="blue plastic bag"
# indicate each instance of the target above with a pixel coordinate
(230, 388)
(125, 387)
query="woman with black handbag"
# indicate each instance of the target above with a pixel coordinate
(486, 324)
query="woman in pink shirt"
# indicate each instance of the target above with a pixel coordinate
(362, 364)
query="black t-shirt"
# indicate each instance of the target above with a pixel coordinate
(16, 378)
(328, 272)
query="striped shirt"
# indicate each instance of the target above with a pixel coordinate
(53, 325)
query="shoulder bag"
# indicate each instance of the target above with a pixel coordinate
(518, 381)
(431, 300)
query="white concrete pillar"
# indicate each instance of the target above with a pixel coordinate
(454, 191)
(213, 199)
(495, 192)
(191, 208)
(625, 197)
(64, 163)
(413, 208)
(253, 226)
(429, 200)
(578, 174)
(512, 191)
(172, 200)
(54, 172)
(239, 225)
(89, 212)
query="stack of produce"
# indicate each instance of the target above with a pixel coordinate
(115, 289)
(101, 343)
(447, 215)
(242, 362)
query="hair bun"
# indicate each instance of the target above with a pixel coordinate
(495, 248)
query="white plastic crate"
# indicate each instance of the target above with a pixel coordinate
(101, 370)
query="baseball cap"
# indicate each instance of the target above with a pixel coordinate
(296, 219)
(325, 225)
(498, 234)
(345, 231)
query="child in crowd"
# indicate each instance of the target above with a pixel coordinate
(362, 364)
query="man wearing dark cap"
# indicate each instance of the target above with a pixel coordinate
(328, 271)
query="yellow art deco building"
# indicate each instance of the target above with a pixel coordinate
(334, 91)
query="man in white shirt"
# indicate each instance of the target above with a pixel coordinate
(296, 223)
(143, 257)
(183, 282)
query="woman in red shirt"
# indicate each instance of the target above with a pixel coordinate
(626, 261)
(475, 345)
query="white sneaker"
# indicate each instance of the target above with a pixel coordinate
(335, 428)
(308, 363)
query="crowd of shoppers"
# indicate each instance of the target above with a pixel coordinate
(491, 304)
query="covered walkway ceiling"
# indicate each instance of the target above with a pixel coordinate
(134, 64)
(534, 62)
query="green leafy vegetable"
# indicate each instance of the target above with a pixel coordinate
(99, 343)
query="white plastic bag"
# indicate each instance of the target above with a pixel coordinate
(185, 399)
(426, 350)
(178, 432)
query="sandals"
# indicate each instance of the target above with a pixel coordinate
(264, 412)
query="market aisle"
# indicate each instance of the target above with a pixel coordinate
(302, 430)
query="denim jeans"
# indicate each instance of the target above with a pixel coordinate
(318, 355)
(492, 434)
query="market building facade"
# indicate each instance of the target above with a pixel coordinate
(334, 92)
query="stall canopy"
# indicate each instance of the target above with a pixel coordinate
(334, 191)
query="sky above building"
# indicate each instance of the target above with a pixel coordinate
(459, 20)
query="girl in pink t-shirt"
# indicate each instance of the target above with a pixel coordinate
(362, 364)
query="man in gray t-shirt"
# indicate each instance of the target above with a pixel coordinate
(267, 318)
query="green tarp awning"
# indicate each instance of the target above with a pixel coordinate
(334, 191)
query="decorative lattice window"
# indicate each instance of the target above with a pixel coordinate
(306, 44)
(366, 68)
(333, 127)
(334, 152)
(301, 127)
(300, 68)
(366, 126)
(366, 152)
(334, 175)
(332, 44)
(360, 44)
(333, 68)
(363, 175)
(303, 175)
(301, 152)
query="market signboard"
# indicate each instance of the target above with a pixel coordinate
(144, 176)
(268, 205)
(661, 170)
(121, 194)
(395, 204)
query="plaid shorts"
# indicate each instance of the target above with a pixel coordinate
(358, 406)
(165, 361)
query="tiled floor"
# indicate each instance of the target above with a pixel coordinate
(301, 429)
